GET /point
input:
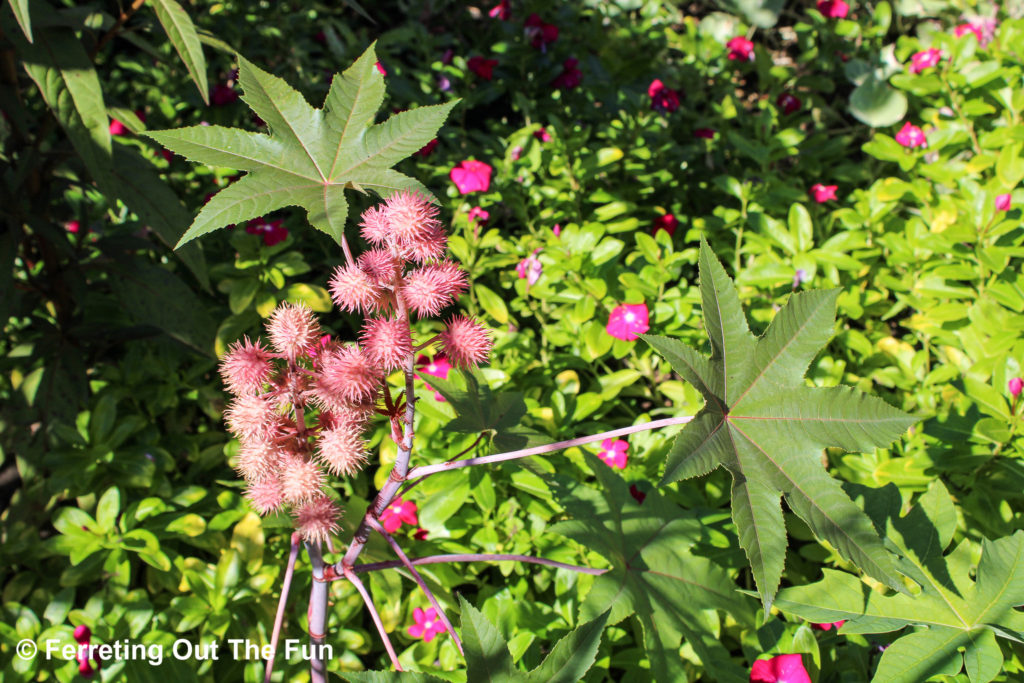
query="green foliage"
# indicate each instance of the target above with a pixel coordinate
(311, 155)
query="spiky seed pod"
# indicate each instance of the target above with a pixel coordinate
(430, 246)
(375, 226)
(429, 289)
(379, 264)
(293, 328)
(250, 417)
(354, 290)
(258, 460)
(410, 217)
(265, 496)
(317, 519)
(386, 341)
(348, 375)
(466, 342)
(246, 367)
(342, 449)
(301, 479)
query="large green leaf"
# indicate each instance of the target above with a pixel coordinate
(311, 156)
(182, 34)
(673, 592)
(762, 423)
(956, 621)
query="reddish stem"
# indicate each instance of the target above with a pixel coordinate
(282, 604)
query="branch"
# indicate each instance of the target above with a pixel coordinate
(350, 575)
(427, 470)
(409, 485)
(124, 17)
(404, 559)
(478, 557)
(279, 619)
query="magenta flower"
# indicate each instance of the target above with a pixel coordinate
(823, 193)
(557, 230)
(1015, 385)
(571, 76)
(117, 128)
(911, 136)
(666, 222)
(542, 134)
(540, 33)
(925, 59)
(829, 625)
(439, 367)
(427, 624)
(613, 453)
(501, 11)
(780, 669)
(482, 67)
(788, 102)
(706, 133)
(516, 152)
(740, 49)
(397, 513)
(73, 226)
(1003, 202)
(628, 321)
(271, 231)
(471, 176)
(964, 29)
(662, 98)
(427, 149)
(476, 214)
(833, 9)
(222, 94)
(530, 269)
(380, 68)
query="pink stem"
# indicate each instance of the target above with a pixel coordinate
(404, 559)
(409, 485)
(281, 604)
(351, 576)
(477, 557)
(317, 614)
(427, 470)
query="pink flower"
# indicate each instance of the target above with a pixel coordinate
(427, 149)
(530, 269)
(501, 11)
(706, 133)
(397, 513)
(439, 367)
(557, 230)
(780, 669)
(427, 624)
(117, 128)
(541, 34)
(570, 77)
(482, 67)
(829, 625)
(833, 9)
(1003, 202)
(823, 193)
(911, 136)
(73, 226)
(542, 134)
(272, 231)
(628, 321)
(421, 534)
(964, 29)
(662, 98)
(1015, 385)
(613, 453)
(740, 49)
(471, 176)
(476, 214)
(788, 102)
(925, 59)
(380, 68)
(667, 222)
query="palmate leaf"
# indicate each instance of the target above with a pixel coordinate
(956, 620)
(311, 156)
(488, 659)
(673, 592)
(762, 423)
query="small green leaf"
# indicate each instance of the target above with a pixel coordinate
(878, 104)
(492, 303)
(108, 509)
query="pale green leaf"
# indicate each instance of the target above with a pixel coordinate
(20, 9)
(182, 34)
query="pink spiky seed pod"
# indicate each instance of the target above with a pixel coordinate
(246, 367)
(380, 265)
(265, 496)
(342, 450)
(410, 216)
(353, 290)
(250, 417)
(301, 479)
(293, 328)
(423, 293)
(348, 375)
(258, 460)
(386, 341)
(317, 519)
(375, 226)
(429, 247)
(466, 342)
